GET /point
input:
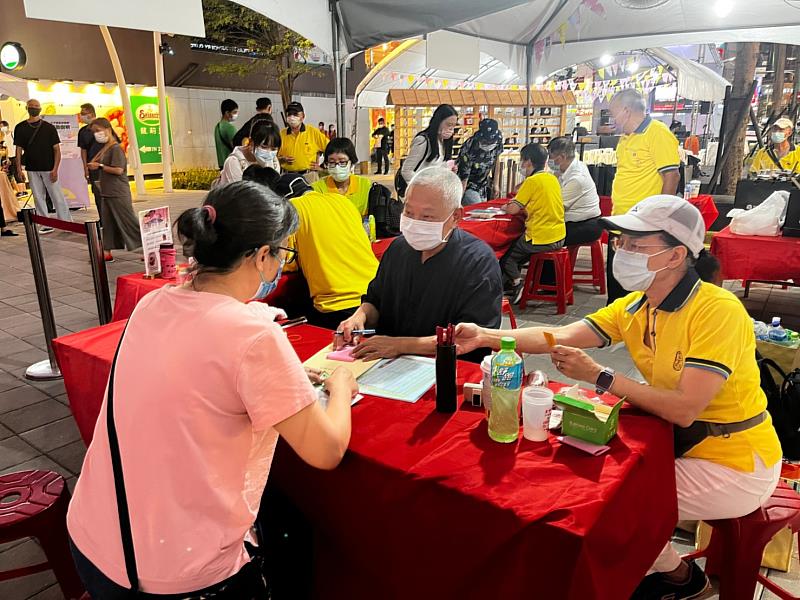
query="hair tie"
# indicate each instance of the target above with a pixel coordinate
(212, 212)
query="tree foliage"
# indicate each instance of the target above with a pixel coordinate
(275, 51)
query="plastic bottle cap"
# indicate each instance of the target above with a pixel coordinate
(776, 321)
(508, 343)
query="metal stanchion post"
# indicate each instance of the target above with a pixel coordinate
(46, 369)
(99, 274)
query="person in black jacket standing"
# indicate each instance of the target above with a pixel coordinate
(263, 113)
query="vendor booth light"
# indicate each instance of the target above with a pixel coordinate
(632, 67)
(539, 80)
(509, 73)
(606, 59)
(722, 8)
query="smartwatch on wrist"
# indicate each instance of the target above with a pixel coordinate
(605, 380)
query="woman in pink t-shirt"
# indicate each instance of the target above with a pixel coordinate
(202, 386)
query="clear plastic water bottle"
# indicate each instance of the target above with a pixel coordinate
(776, 332)
(506, 386)
(761, 330)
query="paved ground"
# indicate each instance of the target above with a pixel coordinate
(36, 427)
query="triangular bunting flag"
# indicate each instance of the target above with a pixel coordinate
(601, 72)
(562, 33)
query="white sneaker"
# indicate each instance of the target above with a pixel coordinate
(45, 229)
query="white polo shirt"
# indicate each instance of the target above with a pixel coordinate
(579, 193)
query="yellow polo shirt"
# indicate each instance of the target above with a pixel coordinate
(333, 251)
(699, 326)
(642, 157)
(762, 161)
(357, 191)
(303, 146)
(540, 196)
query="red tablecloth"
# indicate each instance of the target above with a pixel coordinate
(705, 204)
(425, 505)
(131, 288)
(499, 232)
(757, 257)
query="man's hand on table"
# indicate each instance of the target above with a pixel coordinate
(346, 327)
(575, 364)
(468, 338)
(379, 346)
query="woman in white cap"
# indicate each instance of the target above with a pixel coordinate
(779, 150)
(693, 342)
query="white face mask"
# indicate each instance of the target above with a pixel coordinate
(294, 121)
(524, 171)
(264, 156)
(422, 235)
(778, 137)
(487, 147)
(234, 116)
(4, 129)
(86, 119)
(101, 137)
(340, 173)
(630, 269)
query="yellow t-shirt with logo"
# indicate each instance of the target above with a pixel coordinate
(642, 157)
(333, 251)
(762, 161)
(699, 326)
(357, 191)
(303, 146)
(540, 195)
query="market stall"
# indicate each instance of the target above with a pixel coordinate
(412, 474)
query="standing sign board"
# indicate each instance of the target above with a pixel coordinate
(147, 123)
(156, 230)
(70, 171)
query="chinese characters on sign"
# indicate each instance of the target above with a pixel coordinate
(147, 124)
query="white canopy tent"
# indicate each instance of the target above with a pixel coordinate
(515, 31)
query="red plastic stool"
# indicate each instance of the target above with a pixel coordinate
(507, 310)
(533, 285)
(34, 504)
(597, 275)
(737, 545)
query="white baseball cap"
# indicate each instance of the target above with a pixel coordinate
(670, 214)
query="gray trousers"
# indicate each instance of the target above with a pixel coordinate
(518, 254)
(41, 186)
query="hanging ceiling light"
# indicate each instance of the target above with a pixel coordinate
(606, 60)
(641, 4)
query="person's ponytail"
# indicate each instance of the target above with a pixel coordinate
(707, 266)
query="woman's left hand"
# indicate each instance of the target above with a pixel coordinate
(575, 363)
(93, 165)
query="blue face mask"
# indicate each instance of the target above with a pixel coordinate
(267, 287)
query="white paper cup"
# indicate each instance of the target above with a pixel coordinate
(537, 403)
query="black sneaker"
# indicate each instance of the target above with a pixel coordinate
(9, 233)
(658, 587)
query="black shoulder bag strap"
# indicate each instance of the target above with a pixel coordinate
(119, 483)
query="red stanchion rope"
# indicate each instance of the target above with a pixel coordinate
(59, 224)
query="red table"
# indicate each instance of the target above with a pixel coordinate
(131, 288)
(424, 505)
(498, 232)
(703, 202)
(758, 258)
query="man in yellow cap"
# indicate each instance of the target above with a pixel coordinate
(779, 149)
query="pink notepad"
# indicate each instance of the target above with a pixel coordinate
(344, 354)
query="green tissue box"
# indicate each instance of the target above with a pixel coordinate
(595, 423)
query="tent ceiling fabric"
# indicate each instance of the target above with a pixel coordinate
(695, 81)
(370, 22)
(317, 29)
(14, 87)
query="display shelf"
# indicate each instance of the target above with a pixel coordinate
(414, 108)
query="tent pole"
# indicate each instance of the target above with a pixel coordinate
(133, 143)
(675, 104)
(166, 154)
(528, 77)
(337, 69)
